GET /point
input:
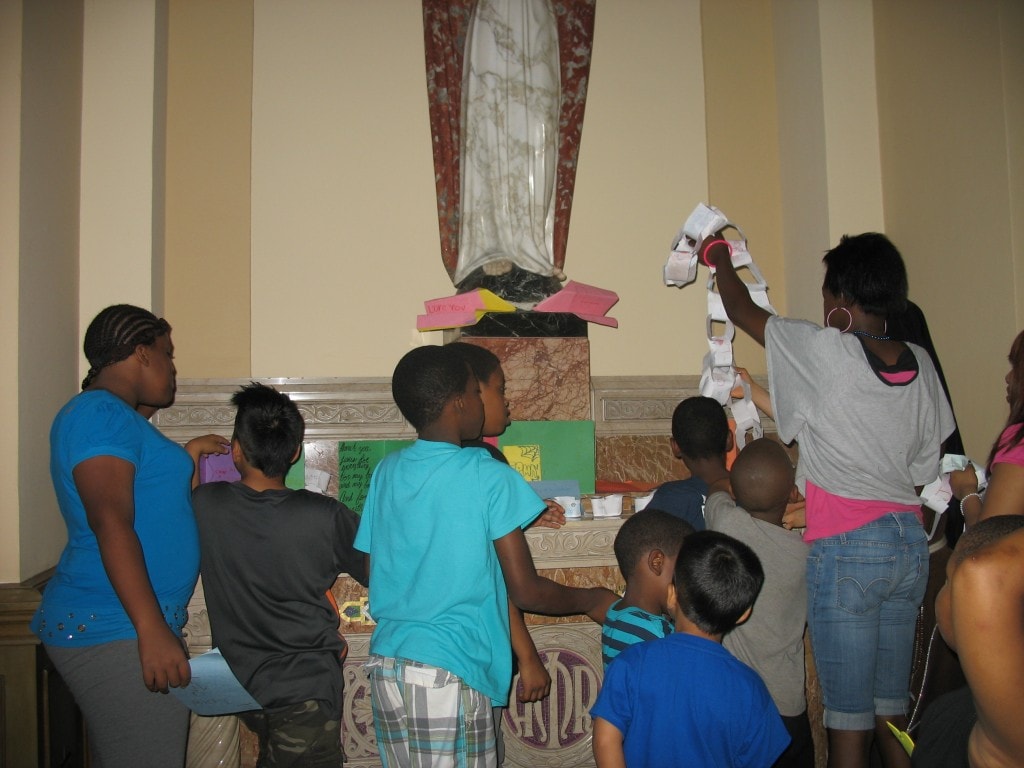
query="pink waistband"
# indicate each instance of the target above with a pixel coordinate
(830, 515)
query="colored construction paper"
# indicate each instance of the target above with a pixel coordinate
(585, 301)
(564, 450)
(356, 461)
(214, 689)
(220, 467)
(460, 310)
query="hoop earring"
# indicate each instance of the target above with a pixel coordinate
(848, 314)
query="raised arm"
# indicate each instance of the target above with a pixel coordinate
(536, 594)
(106, 487)
(206, 445)
(742, 310)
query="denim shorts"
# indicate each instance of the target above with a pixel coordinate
(864, 589)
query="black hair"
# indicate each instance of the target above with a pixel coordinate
(988, 530)
(1016, 393)
(268, 427)
(868, 271)
(115, 332)
(425, 380)
(646, 530)
(480, 360)
(717, 579)
(700, 428)
(762, 476)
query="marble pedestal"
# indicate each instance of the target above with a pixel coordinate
(546, 360)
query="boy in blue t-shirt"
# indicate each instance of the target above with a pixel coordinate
(645, 547)
(701, 438)
(440, 651)
(684, 699)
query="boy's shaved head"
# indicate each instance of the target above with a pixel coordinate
(762, 476)
(647, 530)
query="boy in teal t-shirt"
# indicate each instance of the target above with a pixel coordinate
(440, 652)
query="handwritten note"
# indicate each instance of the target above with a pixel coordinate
(214, 689)
(356, 461)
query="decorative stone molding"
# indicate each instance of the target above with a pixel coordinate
(334, 409)
(578, 544)
(363, 409)
(643, 405)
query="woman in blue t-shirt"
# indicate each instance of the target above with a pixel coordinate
(112, 614)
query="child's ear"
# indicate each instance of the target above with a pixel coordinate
(656, 561)
(675, 448)
(237, 455)
(730, 442)
(672, 599)
(794, 494)
(746, 615)
(295, 456)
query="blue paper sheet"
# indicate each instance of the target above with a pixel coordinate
(214, 689)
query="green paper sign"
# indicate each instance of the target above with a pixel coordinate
(356, 461)
(552, 450)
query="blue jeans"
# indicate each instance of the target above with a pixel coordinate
(864, 589)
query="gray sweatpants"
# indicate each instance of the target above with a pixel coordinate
(128, 726)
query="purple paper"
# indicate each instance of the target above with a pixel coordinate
(216, 467)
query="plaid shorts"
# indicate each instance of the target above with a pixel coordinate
(426, 716)
(303, 734)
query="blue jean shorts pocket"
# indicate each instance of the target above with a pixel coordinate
(864, 583)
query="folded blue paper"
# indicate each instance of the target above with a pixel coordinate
(214, 689)
(549, 489)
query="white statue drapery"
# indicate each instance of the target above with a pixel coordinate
(510, 115)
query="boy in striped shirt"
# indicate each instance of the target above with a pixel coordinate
(646, 548)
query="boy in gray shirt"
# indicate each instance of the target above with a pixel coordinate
(771, 641)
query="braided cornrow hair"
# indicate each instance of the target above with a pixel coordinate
(114, 334)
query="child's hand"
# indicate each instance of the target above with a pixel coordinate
(744, 374)
(534, 680)
(207, 445)
(963, 482)
(552, 517)
(795, 515)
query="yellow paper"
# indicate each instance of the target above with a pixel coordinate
(525, 459)
(902, 737)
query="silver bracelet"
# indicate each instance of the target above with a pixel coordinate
(965, 498)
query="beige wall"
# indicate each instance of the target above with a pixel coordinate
(46, 97)
(743, 141)
(208, 154)
(10, 196)
(118, 219)
(950, 104)
(294, 231)
(344, 238)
